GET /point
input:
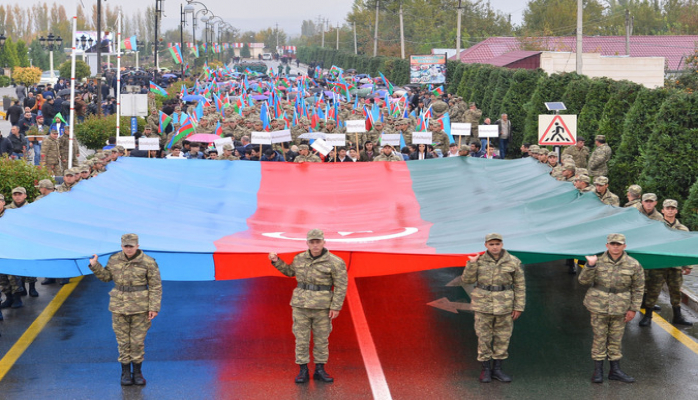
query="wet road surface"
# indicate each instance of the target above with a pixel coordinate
(233, 340)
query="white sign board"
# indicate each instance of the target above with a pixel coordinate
(356, 126)
(485, 131)
(460, 129)
(260, 138)
(222, 142)
(312, 135)
(421, 138)
(148, 143)
(281, 136)
(134, 105)
(322, 146)
(336, 139)
(392, 139)
(557, 130)
(128, 142)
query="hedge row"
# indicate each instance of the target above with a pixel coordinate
(653, 132)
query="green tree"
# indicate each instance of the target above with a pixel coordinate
(82, 70)
(548, 89)
(559, 17)
(523, 84)
(613, 115)
(596, 100)
(689, 209)
(8, 55)
(22, 55)
(576, 93)
(245, 51)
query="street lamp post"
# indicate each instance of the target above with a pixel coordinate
(190, 9)
(50, 42)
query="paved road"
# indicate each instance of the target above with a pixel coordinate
(232, 340)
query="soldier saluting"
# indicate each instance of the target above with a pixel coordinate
(314, 303)
(498, 300)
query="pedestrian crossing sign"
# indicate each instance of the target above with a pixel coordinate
(557, 130)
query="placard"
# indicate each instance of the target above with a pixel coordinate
(281, 136)
(336, 139)
(460, 128)
(219, 143)
(260, 138)
(485, 131)
(128, 142)
(322, 146)
(422, 138)
(148, 143)
(312, 135)
(392, 139)
(356, 126)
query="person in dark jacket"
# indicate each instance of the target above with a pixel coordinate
(48, 111)
(14, 113)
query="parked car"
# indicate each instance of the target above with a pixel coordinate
(266, 56)
(46, 77)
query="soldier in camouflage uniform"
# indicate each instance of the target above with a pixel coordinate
(672, 276)
(648, 209)
(403, 127)
(387, 154)
(439, 137)
(498, 300)
(227, 153)
(556, 171)
(578, 152)
(134, 302)
(304, 155)
(51, 154)
(598, 162)
(314, 303)
(300, 128)
(605, 195)
(634, 194)
(153, 120)
(16, 283)
(583, 183)
(568, 173)
(473, 115)
(68, 181)
(45, 187)
(613, 299)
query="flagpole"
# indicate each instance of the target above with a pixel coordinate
(72, 90)
(118, 76)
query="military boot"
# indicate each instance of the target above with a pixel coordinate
(22, 288)
(647, 319)
(678, 318)
(321, 374)
(598, 372)
(497, 372)
(656, 306)
(32, 290)
(48, 281)
(17, 301)
(8, 301)
(138, 378)
(304, 375)
(617, 375)
(486, 374)
(126, 377)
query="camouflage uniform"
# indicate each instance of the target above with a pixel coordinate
(383, 157)
(63, 145)
(440, 137)
(580, 156)
(598, 162)
(493, 319)
(557, 172)
(51, 155)
(137, 291)
(311, 305)
(309, 158)
(637, 203)
(10, 284)
(473, 116)
(617, 287)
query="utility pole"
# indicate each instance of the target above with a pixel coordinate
(628, 30)
(337, 35)
(322, 23)
(277, 37)
(402, 35)
(99, 58)
(458, 34)
(356, 49)
(375, 34)
(580, 48)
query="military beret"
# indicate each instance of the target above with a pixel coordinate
(600, 137)
(493, 236)
(46, 184)
(315, 234)
(670, 203)
(583, 178)
(645, 197)
(600, 180)
(227, 146)
(635, 190)
(615, 238)
(129, 239)
(304, 147)
(19, 189)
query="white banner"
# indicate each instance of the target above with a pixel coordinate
(421, 138)
(322, 146)
(128, 142)
(460, 129)
(281, 136)
(356, 126)
(148, 143)
(222, 142)
(485, 131)
(312, 135)
(392, 139)
(261, 138)
(336, 139)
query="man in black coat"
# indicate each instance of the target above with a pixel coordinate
(48, 111)
(30, 100)
(14, 113)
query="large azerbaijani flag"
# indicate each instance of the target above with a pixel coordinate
(176, 53)
(157, 89)
(130, 44)
(436, 213)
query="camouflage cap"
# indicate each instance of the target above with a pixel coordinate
(388, 145)
(315, 234)
(106, 152)
(120, 149)
(84, 168)
(615, 238)
(46, 184)
(532, 150)
(439, 107)
(580, 139)
(600, 180)
(465, 147)
(493, 236)
(670, 203)
(552, 154)
(583, 178)
(75, 170)
(2, 197)
(331, 121)
(570, 167)
(600, 137)
(227, 146)
(582, 171)
(69, 172)
(533, 147)
(304, 147)
(19, 189)
(543, 151)
(129, 239)
(649, 196)
(472, 105)
(635, 190)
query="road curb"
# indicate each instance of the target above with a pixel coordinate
(690, 299)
